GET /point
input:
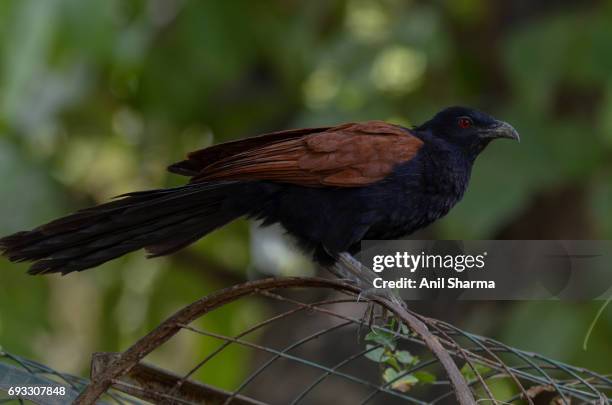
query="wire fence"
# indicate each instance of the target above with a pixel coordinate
(18, 374)
(379, 354)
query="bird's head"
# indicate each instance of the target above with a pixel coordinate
(468, 128)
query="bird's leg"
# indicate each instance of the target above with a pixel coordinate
(355, 267)
(364, 277)
(349, 269)
(347, 264)
(342, 275)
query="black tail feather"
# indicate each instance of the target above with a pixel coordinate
(162, 221)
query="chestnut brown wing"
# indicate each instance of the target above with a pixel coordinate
(196, 161)
(349, 155)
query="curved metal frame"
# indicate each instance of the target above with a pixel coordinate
(442, 340)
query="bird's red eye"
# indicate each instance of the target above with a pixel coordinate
(464, 122)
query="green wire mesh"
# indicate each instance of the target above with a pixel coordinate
(16, 371)
(335, 348)
(347, 346)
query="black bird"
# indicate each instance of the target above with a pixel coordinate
(329, 187)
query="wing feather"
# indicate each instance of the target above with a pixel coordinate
(349, 155)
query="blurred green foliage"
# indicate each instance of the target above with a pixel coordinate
(98, 97)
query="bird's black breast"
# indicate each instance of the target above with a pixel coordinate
(417, 193)
(424, 190)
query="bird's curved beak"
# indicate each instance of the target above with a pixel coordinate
(501, 130)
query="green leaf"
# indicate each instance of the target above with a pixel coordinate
(377, 354)
(390, 374)
(405, 357)
(469, 374)
(392, 361)
(425, 377)
(405, 383)
(383, 338)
